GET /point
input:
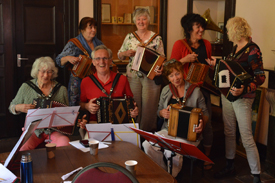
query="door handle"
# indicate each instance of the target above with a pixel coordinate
(19, 60)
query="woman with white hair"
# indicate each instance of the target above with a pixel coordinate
(249, 56)
(146, 92)
(44, 73)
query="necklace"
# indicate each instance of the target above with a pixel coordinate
(41, 90)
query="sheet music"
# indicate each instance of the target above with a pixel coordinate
(24, 137)
(123, 133)
(79, 146)
(100, 131)
(6, 176)
(53, 117)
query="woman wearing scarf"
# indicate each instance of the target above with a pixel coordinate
(70, 54)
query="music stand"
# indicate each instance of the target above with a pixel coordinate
(53, 117)
(188, 150)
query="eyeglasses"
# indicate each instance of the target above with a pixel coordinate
(103, 58)
(48, 72)
(169, 62)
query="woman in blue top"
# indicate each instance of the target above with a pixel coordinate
(70, 54)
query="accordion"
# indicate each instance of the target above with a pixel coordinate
(83, 68)
(202, 74)
(230, 74)
(147, 61)
(115, 110)
(47, 103)
(183, 121)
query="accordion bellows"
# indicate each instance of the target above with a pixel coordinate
(230, 74)
(147, 61)
(83, 68)
(183, 121)
(114, 110)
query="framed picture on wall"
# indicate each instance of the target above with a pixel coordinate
(106, 13)
(220, 35)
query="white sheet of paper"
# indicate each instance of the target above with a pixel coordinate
(25, 135)
(122, 133)
(77, 145)
(99, 131)
(6, 176)
(65, 116)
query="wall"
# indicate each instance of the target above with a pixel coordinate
(86, 8)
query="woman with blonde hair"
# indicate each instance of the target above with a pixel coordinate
(249, 56)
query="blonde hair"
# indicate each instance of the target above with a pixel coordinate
(45, 63)
(237, 28)
(141, 12)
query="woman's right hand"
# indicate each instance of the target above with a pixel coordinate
(189, 58)
(165, 113)
(129, 53)
(24, 107)
(73, 60)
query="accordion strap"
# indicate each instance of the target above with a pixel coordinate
(242, 50)
(189, 48)
(33, 86)
(93, 78)
(144, 44)
(188, 93)
(79, 45)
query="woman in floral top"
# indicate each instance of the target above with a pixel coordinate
(146, 92)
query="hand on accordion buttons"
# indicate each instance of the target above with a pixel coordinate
(82, 122)
(134, 112)
(73, 60)
(191, 57)
(159, 71)
(237, 91)
(200, 127)
(92, 107)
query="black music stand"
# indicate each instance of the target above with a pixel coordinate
(188, 150)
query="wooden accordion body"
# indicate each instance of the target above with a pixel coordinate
(230, 74)
(46, 103)
(115, 110)
(183, 121)
(83, 68)
(147, 61)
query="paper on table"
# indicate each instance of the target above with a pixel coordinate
(64, 116)
(6, 176)
(77, 145)
(64, 177)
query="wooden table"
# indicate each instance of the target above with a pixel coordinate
(69, 158)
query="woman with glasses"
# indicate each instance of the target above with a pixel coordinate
(249, 56)
(146, 91)
(70, 55)
(173, 70)
(44, 73)
(194, 26)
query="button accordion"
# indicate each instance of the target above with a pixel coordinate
(147, 61)
(47, 103)
(115, 110)
(230, 74)
(83, 68)
(183, 121)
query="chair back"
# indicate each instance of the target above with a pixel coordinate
(91, 174)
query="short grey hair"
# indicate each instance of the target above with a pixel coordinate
(141, 12)
(102, 47)
(44, 63)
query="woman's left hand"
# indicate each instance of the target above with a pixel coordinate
(159, 71)
(82, 122)
(200, 127)
(134, 112)
(237, 91)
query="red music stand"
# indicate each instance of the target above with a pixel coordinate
(188, 150)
